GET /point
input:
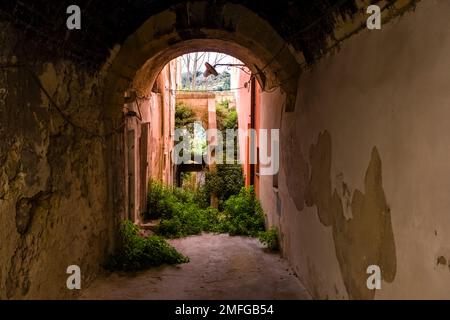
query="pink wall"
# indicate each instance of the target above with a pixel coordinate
(243, 105)
(243, 99)
(149, 141)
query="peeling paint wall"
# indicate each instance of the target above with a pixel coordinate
(364, 172)
(53, 190)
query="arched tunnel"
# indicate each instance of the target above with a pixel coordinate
(361, 114)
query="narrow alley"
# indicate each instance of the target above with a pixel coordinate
(224, 149)
(220, 267)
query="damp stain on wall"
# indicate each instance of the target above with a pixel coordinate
(360, 241)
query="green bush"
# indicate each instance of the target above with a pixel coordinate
(182, 214)
(184, 115)
(188, 219)
(162, 200)
(231, 122)
(226, 181)
(227, 118)
(202, 197)
(137, 253)
(243, 214)
(270, 238)
(159, 201)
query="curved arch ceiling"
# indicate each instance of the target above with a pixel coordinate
(234, 30)
(107, 23)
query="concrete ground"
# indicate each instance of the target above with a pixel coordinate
(220, 267)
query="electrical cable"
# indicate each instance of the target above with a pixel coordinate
(208, 90)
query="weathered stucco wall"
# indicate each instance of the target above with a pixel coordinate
(365, 173)
(149, 141)
(53, 189)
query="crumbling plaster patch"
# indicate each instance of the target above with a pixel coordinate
(363, 240)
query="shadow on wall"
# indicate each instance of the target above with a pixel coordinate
(362, 240)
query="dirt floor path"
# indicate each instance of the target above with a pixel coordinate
(220, 267)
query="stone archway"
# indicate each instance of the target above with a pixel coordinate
(229, 28)
(194, 26)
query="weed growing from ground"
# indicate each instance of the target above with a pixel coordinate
(181, 215)
(270, 239)
(137, 253)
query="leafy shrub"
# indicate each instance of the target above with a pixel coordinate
(183, 195)
(160, 201)
(184, 115)
(243, 214)
(227, 118)
(202, 197)
(270, 238)
(231, 121)
(226, 181)
(182, 211)
(137, 253)
(188, 219)
(182, 215)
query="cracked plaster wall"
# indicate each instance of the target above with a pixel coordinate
(364, 175)
(53, 189)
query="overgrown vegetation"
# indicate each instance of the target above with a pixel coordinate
(182, 214)
(184, 115)
(227, 118)
(137, 253)
(270, 239)
(187, 211)
(185, 118)
(227, 180)
(243, 214)
(188, 219)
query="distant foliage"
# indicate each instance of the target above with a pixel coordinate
(184, 115)
(221, 82)
(185, 118)
(226, 181)
(227, 118)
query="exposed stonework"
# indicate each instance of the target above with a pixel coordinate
(53, 191)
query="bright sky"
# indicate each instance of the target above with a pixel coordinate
(212, 57)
